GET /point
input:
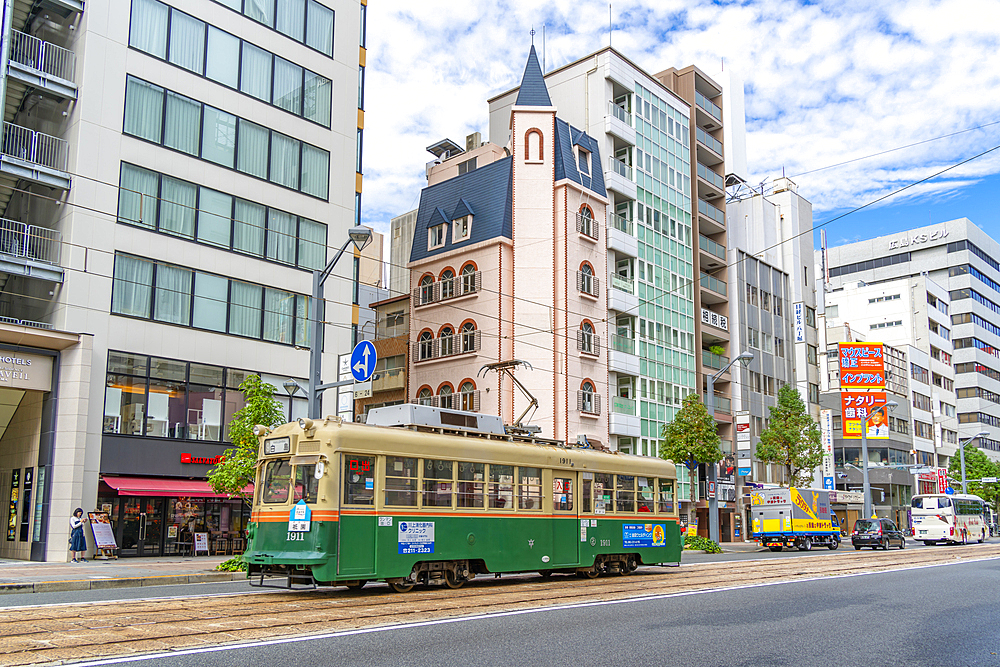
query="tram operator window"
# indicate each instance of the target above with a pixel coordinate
(438, 481)
(626, 494)
(306, 484)
(359, 480)
(471, 483)
(562, 493)
(501, 487)
(529, 489)
(644, 498)
(400, 481)
(277, 476)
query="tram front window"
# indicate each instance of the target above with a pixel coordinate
(277, 476)
(306, 484)
(359, 480)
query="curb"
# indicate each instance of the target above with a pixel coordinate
(122, 582)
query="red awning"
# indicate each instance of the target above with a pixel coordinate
(165, 486)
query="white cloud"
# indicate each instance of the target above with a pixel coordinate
(826, 82)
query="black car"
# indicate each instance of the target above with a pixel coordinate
(877, 534)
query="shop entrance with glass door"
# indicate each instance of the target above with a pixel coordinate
(141, 527)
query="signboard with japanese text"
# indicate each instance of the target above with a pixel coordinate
(643, 535)
(942, 475)
(104, 533)
(416, 537)
(800, 323)
(862, 366)
(826, 439)
(856, 408)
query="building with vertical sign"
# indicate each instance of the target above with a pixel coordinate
(171, 173)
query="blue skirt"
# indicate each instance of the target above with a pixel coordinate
(77, 541)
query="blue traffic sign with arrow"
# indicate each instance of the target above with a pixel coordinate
(363, 360)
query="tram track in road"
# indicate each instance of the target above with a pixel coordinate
(53, 633)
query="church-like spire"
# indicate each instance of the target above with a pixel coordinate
(533, 92)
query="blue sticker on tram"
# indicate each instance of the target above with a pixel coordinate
(644, 535)
(416, 537)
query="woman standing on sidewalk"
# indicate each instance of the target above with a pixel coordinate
(77, 540)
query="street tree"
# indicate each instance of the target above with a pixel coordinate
(691, 438)
(977, 466)
(236, 471)
(791, 439)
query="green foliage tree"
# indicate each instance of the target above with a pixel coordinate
(691, 438)
(236, 471)
(792, 438)
(977, 466)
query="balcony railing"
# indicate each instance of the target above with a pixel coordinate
(711, 177)
(622, 406)
(464, 342)
(622, 344)
(623, 284)
(708, 140)
(712, 360)
(588, 343)
(619, 167)
(390, 331)
(620, 222)
(713, 284)
(37, 243)
(467, 401)
(42, 56)
(587, 226)
(449, 288)
(721, 404)
(588, 283)
(26, 323)
(389, 379)
(620, 113)
(711, 212)
(708, 105)
(588, 402)
(35, 147)
(711, 247)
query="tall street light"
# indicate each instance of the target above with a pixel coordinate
(890, 405)
(360, 236)
(713, 500)
(961, 449)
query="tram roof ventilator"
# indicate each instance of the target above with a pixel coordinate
(413, 415)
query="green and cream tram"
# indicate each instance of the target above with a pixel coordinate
(422, 495)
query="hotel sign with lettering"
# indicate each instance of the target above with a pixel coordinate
(20, 370)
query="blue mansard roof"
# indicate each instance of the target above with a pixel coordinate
(533, 92)
(485, 193)
(567, 137)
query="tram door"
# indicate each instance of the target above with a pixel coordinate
(566, 523)
(356, 525)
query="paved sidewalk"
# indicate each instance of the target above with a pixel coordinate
(741, 547)
(18, 576)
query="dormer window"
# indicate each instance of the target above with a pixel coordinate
(461, 229)
(435, 237)
(583, 160)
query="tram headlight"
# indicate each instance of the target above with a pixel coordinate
(260, 430)
(305, 424)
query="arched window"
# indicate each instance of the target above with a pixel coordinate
(426, 289)
(447, 284)
(585, 223)
(585, 338)
(445, 397)
(534, 145)
(426, 346)
(469, 337)
(447, 338)
(587, 280)
(468, 279)
(587, 402)
(468, 396)
(424, 397)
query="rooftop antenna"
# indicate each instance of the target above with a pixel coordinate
(532, 33)
(610, 25)
(543, 48)
(508, 368)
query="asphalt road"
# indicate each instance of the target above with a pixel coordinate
(933, 616)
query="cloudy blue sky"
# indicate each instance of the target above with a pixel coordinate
(827, 82)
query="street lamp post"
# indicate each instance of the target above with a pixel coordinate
(891, 405)
(360, 236)
(961, 449)
(713, 500)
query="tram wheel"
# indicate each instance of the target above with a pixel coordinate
(452, 581)
(400, 588)
(592, 573)
(357, 586)
(545, 574)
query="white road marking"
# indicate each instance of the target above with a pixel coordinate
(501, 614)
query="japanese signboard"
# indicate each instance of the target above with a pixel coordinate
(104, 533)
(800, 323)
(857, 408)
(416, 537)
(862, 366)
(826, 438)
(742, 421)
(643, 535)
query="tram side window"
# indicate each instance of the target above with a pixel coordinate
(400, 481)
(562, 493)
(438, 479)
(666, 503)
(277, 477)
(529, 488)
(306, 484)
(626, 493)
(471, 484)
(359, 480)
(501, 489)
(587, 495)
(604, 493)
(645, 495)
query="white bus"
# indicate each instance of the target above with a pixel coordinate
(948, 518)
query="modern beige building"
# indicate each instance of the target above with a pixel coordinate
(171, 174)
